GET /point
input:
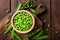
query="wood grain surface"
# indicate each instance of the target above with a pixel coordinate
(11, 5)
(55, 19)
(4, 6)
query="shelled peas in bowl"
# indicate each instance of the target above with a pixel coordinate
(22, 21)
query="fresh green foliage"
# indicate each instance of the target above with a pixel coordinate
(23, 21)
(8, 29)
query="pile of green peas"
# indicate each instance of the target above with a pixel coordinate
(22, 21)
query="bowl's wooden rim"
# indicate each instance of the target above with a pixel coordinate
(23, 32)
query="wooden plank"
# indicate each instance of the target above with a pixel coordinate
(55, 19)
(20, 1)
(14, 4)
(4, 6)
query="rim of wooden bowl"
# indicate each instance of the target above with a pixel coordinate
(23, 32)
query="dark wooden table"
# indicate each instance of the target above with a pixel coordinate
(51, 15)
(55, 19)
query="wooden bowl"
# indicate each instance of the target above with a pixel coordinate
(23, 32)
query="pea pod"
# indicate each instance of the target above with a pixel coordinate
(43, 37)
(17, 36)
(38, 35)
(19, 6)
(34, 32)
(12, 34)
(34, 11)
(28, 4)
(8, 29)
(28, 39)
(7, 21)
(25, 5)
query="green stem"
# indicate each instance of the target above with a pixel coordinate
(19, 6)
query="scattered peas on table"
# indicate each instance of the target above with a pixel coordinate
(49, 25)
(45, 20)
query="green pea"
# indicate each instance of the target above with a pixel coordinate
(23, 22)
